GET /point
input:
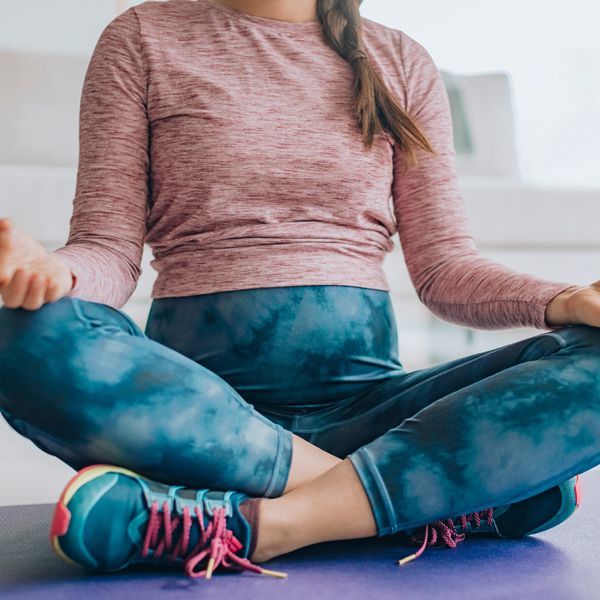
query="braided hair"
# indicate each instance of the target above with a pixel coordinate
(375, 107)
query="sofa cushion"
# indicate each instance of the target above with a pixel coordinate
(483, 123)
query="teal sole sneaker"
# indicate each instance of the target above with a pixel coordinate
(527, 517)
(540, 512)
(108, 518)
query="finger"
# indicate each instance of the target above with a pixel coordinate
(5, 232)
(5, 235)
(53, 291)
(34, 298)
(14, 292)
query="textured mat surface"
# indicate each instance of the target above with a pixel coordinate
(561, 563)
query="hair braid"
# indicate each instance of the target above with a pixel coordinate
(375, 107)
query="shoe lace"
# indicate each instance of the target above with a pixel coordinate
(444, 532)
(168, 537)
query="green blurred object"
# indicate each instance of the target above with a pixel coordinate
(463, 141)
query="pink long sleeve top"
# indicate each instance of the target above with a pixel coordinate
(227, 143)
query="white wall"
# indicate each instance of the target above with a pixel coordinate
(551, 49)
(65, 26)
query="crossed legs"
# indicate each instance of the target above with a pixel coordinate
(84, 383)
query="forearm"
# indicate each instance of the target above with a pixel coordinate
(476, 292)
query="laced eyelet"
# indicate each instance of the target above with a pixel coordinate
(217, 543)
(444, 532)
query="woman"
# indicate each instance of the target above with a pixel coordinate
(254, 145)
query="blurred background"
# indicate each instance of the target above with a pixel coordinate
(524, 86)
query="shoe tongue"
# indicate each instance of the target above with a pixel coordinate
(246, 525)
(236, 520)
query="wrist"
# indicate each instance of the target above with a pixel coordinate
(68, 274)
(560, 311)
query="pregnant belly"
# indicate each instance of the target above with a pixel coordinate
(285, 347)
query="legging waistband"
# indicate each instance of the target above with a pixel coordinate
(285, 349)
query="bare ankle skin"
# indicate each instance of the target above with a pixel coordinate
(308, 463)
(332, 507)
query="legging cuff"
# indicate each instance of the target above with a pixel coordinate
(283, 463)
(381, 503)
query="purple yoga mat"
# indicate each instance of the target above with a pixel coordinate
(561, 563)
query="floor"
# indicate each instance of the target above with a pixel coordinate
(560, 563)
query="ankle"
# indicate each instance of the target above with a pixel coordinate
(273, 531)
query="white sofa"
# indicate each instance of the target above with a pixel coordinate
(545, 230)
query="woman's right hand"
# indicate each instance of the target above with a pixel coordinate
(30, 276)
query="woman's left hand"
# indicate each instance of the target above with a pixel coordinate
(576, 305)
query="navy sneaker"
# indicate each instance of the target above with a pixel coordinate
(109, 518)
(532, 515)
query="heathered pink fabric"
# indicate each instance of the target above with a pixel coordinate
(227, 142)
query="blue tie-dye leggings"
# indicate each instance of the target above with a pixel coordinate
(209, 394)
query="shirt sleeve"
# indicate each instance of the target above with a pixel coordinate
(108, 223)
(450, 277)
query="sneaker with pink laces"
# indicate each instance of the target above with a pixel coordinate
(109, 518)
(532, 515)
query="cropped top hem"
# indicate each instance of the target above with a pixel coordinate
(222, 270)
